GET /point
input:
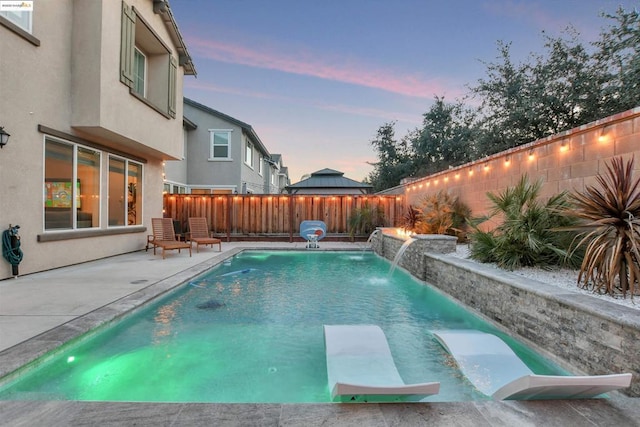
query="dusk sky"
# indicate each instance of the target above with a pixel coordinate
(316, 79)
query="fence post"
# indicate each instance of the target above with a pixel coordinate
(290, 218)
(229, 211)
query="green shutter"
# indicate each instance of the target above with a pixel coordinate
(173, 72)
(127, 44)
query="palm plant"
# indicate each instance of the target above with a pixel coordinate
(610, 230)
(529, 234)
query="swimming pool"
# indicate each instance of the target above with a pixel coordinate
(250, 330)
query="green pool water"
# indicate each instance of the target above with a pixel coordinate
(250, 330)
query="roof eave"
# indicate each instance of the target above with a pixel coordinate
(162, 8)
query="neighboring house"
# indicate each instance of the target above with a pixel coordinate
(223, 155)
(280, 174)
(329, 181)
(88, 94)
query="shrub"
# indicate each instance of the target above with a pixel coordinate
(610, 230)
(411, 219)
(365, 219)
(529, 234)
(436, 213)
(439, 213)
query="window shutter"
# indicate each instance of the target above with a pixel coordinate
(127, 44)
(173, 72)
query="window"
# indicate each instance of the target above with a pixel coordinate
(125, 192)
(134, 193)
(248, 154)
(178, 189)
(157, 73)
(20, 13)
(200, 191)
(220, 145)
(68, 206)
(139, 74)
(260, 164)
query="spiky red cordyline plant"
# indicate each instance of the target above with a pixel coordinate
(610, 230)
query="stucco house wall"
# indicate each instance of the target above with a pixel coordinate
(63, 82)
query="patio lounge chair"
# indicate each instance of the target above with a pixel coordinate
(199, 233)
(495, 370)
(359, 363)
(164, 236)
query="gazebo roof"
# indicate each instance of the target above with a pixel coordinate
(328, 178)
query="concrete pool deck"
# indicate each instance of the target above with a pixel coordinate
(40, 311)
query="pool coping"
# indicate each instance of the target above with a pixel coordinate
(617, 410)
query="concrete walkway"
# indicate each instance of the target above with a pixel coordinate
(38, 312)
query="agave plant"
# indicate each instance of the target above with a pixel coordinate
(610, 230)
(528, 234)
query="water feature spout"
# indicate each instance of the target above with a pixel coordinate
(371, 236)
(400, 253)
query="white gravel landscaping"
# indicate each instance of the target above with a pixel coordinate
(563, 278)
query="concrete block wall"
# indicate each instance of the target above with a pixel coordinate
(584, 334)
(568, 161)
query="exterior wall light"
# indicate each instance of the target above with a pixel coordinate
(604, 135)
(4, 137)
(564, 146)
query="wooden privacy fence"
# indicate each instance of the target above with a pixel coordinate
(272, 215)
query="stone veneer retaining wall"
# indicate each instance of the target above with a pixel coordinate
(580, 332)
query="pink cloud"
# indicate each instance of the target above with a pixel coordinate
(310, 64)
(349, 109)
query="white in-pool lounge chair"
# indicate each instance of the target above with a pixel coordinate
(359, 363)
(495, 370)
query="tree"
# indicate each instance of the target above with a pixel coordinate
(566, 84)
(445, 139)
(619, 57)
(393, 159)
(569, 85)
(506, 110)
